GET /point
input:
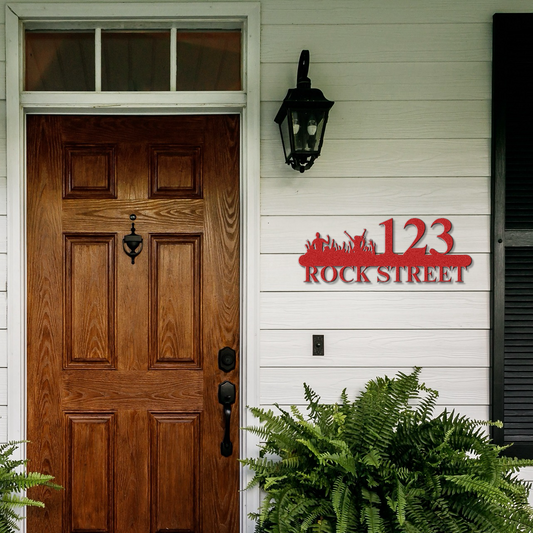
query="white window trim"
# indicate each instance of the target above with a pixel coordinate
(246, 103)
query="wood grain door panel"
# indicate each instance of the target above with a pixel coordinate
(122, 358)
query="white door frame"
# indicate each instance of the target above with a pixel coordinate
(246, 103)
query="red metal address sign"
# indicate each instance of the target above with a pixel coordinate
(350, 261)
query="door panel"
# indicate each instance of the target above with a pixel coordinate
(122, 358)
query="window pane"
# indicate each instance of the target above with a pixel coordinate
(135, 61)
(209, 61)
(59, 61)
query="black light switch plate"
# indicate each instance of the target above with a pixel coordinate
(318, 344)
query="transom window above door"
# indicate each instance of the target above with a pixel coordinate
(148, 59)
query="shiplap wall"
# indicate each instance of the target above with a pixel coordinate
(409, 136)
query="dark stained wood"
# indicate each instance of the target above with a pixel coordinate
(175, 327)
(90, 300)
(175, 441)
(175, 172)
(90, 471)
(168, 215)
(89, 171)
(122, 359)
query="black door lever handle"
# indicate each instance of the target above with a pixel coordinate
(226, 396)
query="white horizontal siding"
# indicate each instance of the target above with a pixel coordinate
(3, 348)
(380, 158)
(408, 136)
(3, 234)
(378, 43)
(3, 272)
(288, 234)
(388, 348)
(3, 423)
(383, 81)
(2, 81)
(468, 119)
(356, 12)
(456, 386)
(3, 195)
(375, 310)
(282, 272)
(3, 312)
(3, 386)
(370, 196)
(3, 125)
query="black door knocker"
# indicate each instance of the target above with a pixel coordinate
(132, 241)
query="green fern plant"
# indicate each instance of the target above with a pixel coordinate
(384, 464)
(12, 483)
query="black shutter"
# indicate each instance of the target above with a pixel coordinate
(512, 231)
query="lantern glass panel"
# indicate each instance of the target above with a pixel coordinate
(308, 126)
(285, 137)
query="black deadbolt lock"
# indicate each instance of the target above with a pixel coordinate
(226, 359)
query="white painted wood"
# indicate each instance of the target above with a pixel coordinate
(386, 310)
(383, 81)
(469, 119)
(377, 43)
(137, 11)
(2, 120)
(283, 273)
(16, 341)
(250, 250)
(223, 100)
(3, 423)
(388, 12)
(98, 59)
(173, 58)
(369, 196)
(3, 156)
(2, 80)
(3, 194)
(3, 234)
(3, 274)
(376, 12)
(288, 234)
(403, 348)
(3, 386)
(383, 158)
(456, 386)
(3, 349)
(527, 473)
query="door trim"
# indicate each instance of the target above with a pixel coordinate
(245, 103)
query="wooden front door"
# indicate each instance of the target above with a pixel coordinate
(123, 372)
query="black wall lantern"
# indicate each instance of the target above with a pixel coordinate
(302, 120)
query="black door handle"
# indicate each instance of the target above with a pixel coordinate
(226, 396)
